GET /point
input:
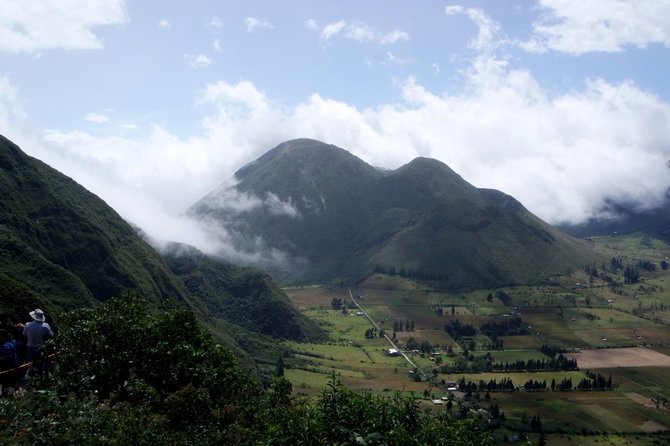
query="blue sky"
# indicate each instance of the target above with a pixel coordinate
(563, 104)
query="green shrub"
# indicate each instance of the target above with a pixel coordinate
(126, 376)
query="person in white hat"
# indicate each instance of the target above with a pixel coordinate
(36, 333)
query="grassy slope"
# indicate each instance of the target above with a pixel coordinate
(68, 245)
(477, 237)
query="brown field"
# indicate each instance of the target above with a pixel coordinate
(436, 337)
(314, 296)
(620, 357)
(640, 399)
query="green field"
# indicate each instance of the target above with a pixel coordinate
(579, 311)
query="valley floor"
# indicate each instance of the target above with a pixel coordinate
(619, 333)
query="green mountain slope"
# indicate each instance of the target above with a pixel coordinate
(66, 244)
(347, 218)
(61, 247)
(245, 297)
(244, 302)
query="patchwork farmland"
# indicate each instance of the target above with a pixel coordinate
(617, 333)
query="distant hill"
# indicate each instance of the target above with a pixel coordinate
(653, 222)
(339, 218)
(62, 247)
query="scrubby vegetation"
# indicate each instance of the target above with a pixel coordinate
(123, 375)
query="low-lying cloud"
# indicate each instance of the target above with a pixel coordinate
(565, 156)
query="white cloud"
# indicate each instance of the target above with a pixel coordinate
(216, 22)
(165, 24)
(96, 118)
(577, 27)
(548, 153)
(393, 59)
(217, 45)
(563, 156)
(332, 29)
(275, 206)
(253, 24)
(36, 25)
(393, 37)
(198, 60)
(11, 109)
(358, 31)
(436, 68)
(487, 28)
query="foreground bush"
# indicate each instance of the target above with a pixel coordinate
(126, 376)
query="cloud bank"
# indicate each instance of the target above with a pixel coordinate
(577, 26)
(564, 156)
(36, 25)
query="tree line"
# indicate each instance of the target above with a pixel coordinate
(631, 273)
(461, 332)
(408, 326)
(512, 326)
(531, 365)
(593, 381)
(409, 273)
(341, 304)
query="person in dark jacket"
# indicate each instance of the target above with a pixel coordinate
(8, 360)
(36, 333)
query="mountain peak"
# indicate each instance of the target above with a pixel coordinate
(301, 144)
(349, 217)
(303, 154)
(429, 166)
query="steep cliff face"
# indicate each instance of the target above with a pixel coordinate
(66, 244)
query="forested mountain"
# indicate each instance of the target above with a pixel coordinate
(337, 217)
(62, 247)
(244, 302)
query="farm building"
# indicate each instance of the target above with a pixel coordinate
(392, 352)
